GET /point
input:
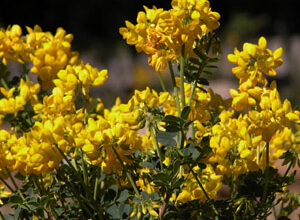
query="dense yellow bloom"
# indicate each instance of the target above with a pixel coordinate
(11, 45)
(253, 62)
(210, 181)
(162, 33)
(49, 53)
(7, 141)
(12, 104)
(103, 140)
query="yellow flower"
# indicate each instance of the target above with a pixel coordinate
(162, 33)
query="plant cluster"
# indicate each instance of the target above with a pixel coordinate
(161, 155)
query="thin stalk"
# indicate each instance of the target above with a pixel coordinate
(6, 184)
(262, 150)
(128, 175)
(164, 207)
(85, 176)
(288, 169)
(258, 155)
(179, 136)
(189, 104)
(267, 174)
(231, 189)
(181, 74)
(2, 216)
(175, 88)
(14, 183)
(35, 182)
(17, 188)
(204, 191)
(157, 147)
(79, 198)
(4, 84)
(274, 212)
(161, 82)
(192, 92)
(96, 185)
(72, 167)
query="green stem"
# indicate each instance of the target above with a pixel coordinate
(2, 216)
(179, 137)
(274, 212)
(73, 168)
(18, 189)
(96, 185)
(175, 88)
(267, 174)
(204, 191)
(258, 155)
(161, 82)
(231, 189)
(85, 176)
(14, 183)
(288, 169)
(8, 186)
(4, 84)
(128, 175)
(79, 197)
(261, 152)
(151, 129)
(192, 92)
(181, 74)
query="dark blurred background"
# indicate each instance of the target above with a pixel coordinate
(95, 25)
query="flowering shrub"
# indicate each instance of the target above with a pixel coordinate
(77, 159)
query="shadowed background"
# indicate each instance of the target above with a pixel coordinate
(95, 25)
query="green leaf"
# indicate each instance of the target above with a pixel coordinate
(203, 81)
(171, 118)
(114, 211)
(162, 177)
(213, 60)
(148, 165)
(124, 210)
(145, 195)
(166, 138)
(211, 66)
(190, 152)
(123, 196)
(200, 54)
(155, 196)
(194, 60)
(185, 112)
(8, 217)
(15, 199)
(178, 183)
(172, 128)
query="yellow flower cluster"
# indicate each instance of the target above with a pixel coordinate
(46, 52)
(239, 144)
(116, 132)
(162, 33)
(27, 92)
(57, 122)
(252, 63)
(210, 181)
